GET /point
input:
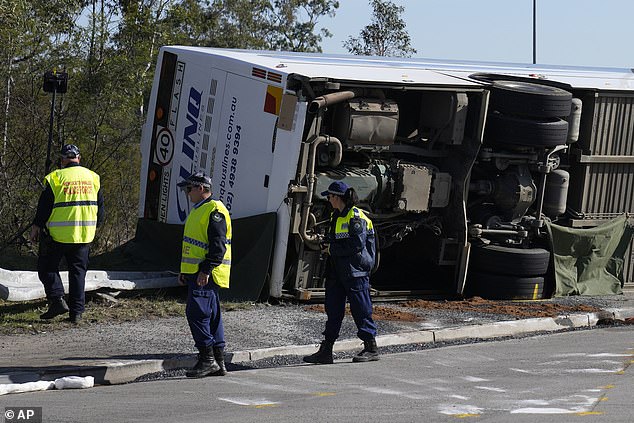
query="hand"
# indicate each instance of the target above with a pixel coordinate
(34, 236)
(181, 279)
(202, 279)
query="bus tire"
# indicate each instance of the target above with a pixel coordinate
(530, 100)
(510, 130)
(502, 260)
(503, 287)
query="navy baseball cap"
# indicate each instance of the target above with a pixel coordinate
(337, 188)
(69, 151)
(198, 179)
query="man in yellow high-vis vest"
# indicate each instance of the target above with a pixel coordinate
(68, 212)
(205, 267)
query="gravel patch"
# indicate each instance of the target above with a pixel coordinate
(253, 327)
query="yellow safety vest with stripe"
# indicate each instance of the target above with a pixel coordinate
(343, 222)
(196, 242)
(74, 216)
(352, 245)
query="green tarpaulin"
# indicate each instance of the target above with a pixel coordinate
(590, 261)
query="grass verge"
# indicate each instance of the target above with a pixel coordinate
(20, 317)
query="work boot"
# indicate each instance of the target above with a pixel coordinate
(323, 356)
(56, 307)
(74, 318)
(219, 355)
(370, 352)
(206, 364)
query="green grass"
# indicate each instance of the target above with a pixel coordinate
(24, 316)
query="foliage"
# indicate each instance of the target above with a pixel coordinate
(24, 316)
(385, 35)
(109, 50)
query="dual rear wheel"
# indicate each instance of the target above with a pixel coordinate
(506, 273)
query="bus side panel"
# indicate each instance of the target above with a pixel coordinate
(243, 155)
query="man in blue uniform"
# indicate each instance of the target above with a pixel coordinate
(352, 250)
(69, 210)
(205, 267)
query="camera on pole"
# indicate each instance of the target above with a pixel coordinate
(54, 82)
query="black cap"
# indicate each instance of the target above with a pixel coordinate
(198, 178)
(69, 151)
(337, 188)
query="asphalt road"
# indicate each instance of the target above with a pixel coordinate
(583, 376)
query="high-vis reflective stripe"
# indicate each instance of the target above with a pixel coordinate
(74, 216)
(75, 203)
(341, 228)
(196, 242)
(74, 223)
(199, 260)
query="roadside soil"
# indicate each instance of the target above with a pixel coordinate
(414, 310)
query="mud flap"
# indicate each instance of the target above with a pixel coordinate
(157, 246)
(252, 249)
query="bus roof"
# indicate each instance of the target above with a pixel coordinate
(417, 71)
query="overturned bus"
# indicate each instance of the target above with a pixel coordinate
(461, 166)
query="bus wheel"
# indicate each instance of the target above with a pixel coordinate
(511, 130)
(504, 287)
(530, 100)
(504, 260)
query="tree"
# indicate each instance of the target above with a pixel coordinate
(109, 50)
(33, 39)
(252, 24)
(386, 34)
(290, 32)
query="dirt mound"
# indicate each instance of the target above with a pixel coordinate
(511, 308)
(380, 313)
(519, 309)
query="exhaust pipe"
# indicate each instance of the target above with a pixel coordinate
(312, 240)
(329, 100)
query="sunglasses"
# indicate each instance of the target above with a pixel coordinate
(189, 188)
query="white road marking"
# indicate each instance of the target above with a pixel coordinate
(554, 371)
(490, 388)
(248, 402)
(542, 411)
(534, 402)
(453, 409)
(609, 355)
(267, 386)
(581, 404)
(474, 379)
(593, 370)
(384, 391)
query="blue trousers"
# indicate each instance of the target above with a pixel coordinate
(76, 256)
(357, 291)
(203, 313)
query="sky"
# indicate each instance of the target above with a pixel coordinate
(569, 32)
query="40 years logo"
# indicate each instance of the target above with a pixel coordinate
(164, 147)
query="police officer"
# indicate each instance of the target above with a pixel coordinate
(69, 210)
(205, 267)
(351, 248)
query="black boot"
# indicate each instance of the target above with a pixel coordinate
(323, 356)
(219, 355)
(206, 364)
(56, 307)
(370, 352)
(74, 318)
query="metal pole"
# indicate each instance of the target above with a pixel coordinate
(47, 166)
(534, 31)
